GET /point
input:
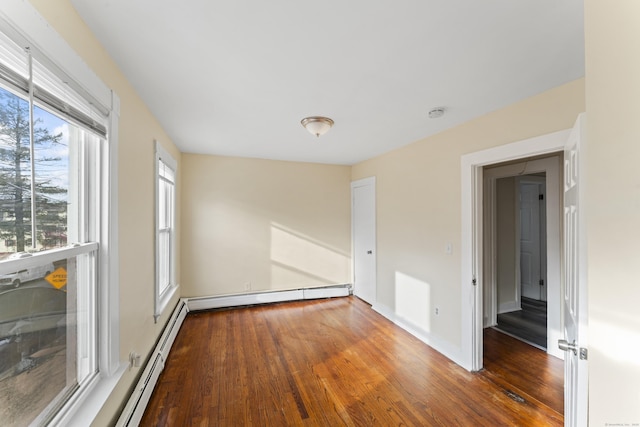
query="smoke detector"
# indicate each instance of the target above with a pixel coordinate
(436, 112)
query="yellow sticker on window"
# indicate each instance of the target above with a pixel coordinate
(58, 278)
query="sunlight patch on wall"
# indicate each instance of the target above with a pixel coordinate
(413, 300)
(617, 337)
(300, 260)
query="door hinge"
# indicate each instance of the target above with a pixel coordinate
(474, 282)
(540, 196)
(541, 282)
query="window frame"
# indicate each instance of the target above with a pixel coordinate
(163, 297)
(22, 22)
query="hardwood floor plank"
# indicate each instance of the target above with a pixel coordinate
(530, 371)
(335, 362)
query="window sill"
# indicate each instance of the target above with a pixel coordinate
(164, 299)
(87, 406)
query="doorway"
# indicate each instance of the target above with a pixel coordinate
(521, 264)
(472, 249)
(521, 198)
(522, 212)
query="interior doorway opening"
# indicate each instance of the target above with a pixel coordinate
(521, 239)
(521, 279)
(522, 211)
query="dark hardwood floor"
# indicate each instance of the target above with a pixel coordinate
(528, 324)
(336, 362)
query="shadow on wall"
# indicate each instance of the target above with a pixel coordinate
(413, 301)
(299, 260)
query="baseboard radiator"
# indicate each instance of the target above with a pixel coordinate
(267, 297)
(137, 403)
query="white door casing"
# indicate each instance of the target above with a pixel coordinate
(470, 356)
(575, 294)
(363, 225)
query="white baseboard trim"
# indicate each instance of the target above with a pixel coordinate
(509, 306)
(267, 297)
(328, 292)
(445, 348)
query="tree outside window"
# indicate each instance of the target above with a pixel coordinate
(22, 178)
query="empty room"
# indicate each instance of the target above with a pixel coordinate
(286, 213)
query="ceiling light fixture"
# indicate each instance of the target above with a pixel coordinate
(317, 125)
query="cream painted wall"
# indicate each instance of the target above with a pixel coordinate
(613, 205)
(138, 129)
(418, 205)
(251, 224)
(506, 239)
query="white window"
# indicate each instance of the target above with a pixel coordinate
(58, 263)
(165, 228)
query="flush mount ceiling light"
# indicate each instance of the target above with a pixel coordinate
(436, 112)
(317, 125)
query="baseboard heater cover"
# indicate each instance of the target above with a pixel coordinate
(137, 403)
(209, 303)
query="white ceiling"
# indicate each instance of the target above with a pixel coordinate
(235, 77)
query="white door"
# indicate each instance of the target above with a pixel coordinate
(363, 197)
(575, 298)
(531, 214)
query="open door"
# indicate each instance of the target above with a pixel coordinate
(575, 294)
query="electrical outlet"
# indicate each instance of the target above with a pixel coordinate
(247, 286)
(134, 360)
(437, 311)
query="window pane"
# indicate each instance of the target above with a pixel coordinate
(51, 170)
(15, 173)
(170, 205)
(162, 204)
(51, 178)
(47, 341)
(165, 204)
(164, 261)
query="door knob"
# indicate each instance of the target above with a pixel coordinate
(566, 346)
(369, 252)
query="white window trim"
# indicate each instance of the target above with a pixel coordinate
(162, 299)
(21, 21)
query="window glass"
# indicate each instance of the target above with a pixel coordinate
(165, 225)
(33, 186)
(47, 343)
(165, 233)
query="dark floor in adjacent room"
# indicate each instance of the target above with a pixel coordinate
(528, 324)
